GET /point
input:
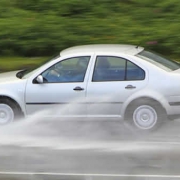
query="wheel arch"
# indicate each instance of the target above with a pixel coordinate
(5, 97)
(146, 98)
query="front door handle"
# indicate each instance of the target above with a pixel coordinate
(78, 88)
(130, 87)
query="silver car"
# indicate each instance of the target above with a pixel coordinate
(98, 81)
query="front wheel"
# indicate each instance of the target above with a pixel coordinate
(6, 114)
(145, 115)
(8, 111)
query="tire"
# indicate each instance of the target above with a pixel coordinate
(145, 114)
(9, 111)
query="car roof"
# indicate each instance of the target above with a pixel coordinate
(108, 48)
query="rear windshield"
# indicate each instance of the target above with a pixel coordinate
(159, 61)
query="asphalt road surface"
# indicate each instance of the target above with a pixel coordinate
(81, 150)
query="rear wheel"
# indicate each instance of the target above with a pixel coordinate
(9, 111)
(145, 114)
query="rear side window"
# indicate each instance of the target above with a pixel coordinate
(134, 72)
(108, 68)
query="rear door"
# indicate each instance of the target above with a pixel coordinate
(112, 81)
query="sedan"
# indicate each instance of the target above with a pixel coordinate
(111, 81)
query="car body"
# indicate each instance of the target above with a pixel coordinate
(102, 81)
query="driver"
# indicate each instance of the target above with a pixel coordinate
(56, 70)
(54, 73)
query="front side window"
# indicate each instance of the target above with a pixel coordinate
(108, 68)
(69, 70)
(159, 61)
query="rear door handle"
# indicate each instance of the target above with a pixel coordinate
(78, 88)
(130, 87)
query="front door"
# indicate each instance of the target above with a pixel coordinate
(114, 79)
(63, 91)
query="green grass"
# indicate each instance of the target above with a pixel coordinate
(15, 63)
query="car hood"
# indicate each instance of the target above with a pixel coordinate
(8, 76)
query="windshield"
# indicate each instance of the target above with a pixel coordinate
(26, 73)
(159, 61)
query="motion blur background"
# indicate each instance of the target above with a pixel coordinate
(33, 30)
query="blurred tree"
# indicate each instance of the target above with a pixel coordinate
(43, 27)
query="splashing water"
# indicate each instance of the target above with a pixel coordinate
(45, 144)
(68, 133)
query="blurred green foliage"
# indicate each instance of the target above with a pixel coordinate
(44, 27)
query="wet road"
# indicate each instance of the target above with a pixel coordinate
(88, 150)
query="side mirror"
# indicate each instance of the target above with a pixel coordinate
(39, 79)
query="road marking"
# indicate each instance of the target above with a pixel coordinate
(93, 175)
(93, 145)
